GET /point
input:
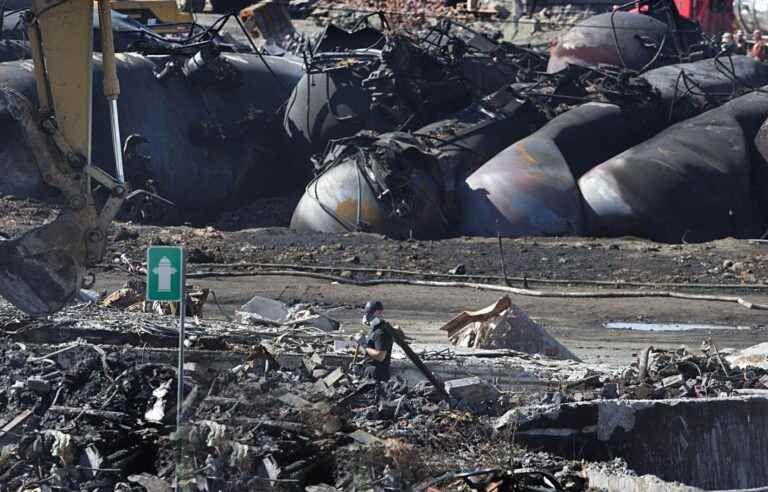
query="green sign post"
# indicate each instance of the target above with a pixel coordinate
(165, 273)
(165, 282)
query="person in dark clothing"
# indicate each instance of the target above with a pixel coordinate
(378, 348)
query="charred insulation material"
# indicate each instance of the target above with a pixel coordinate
(210, 124)
(403, 184)
(691, 182)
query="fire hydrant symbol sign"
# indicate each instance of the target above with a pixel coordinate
(165, 266)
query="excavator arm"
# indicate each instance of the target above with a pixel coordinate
(42, 270)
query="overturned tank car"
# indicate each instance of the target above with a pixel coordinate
(385, 81)
(691, 182)
(188, 129)
(403, 184)
(657, 35)
(530, 188)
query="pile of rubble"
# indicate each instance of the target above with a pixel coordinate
(102, 417)
(282, 406)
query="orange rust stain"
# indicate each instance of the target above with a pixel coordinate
(525, 155)
(347, 210)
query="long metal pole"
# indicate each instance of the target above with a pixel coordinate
(180, 372)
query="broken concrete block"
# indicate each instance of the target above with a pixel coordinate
(269, 311)
(584, 396)
(198, 371)
(312, 362)
(473, 390)
(331, 379)
(364, 438)
(263, 309)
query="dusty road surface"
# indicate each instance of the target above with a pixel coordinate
(725, 268)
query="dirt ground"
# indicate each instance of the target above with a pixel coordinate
(736, 267)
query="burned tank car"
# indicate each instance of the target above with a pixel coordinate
(622, 39)
(691, 182)
(211, 143)
(397, 87)
(403, 184)
(530, 188)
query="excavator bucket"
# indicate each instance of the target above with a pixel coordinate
(41, 270)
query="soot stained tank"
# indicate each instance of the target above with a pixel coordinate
(398, 87)
(690, 182)
(214, 137)
(594, 41)
(530, 187)
(403, 185)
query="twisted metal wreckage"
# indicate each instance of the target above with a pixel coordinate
(622, 130)
(567, 151)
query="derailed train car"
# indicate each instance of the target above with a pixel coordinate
(403, 184)
(531, 187)
(692, 182)
(368, 79)
(209, 143)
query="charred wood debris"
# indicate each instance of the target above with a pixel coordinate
(275, 408)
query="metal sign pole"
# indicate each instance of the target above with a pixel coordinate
(180, 370)
(166, 282)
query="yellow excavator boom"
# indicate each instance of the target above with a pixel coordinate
(42, 270)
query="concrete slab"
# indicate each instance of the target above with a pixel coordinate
(716, 443)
